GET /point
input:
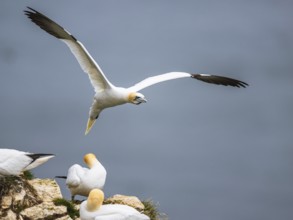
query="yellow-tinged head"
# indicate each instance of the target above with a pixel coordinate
(90, 159)
(95, 200)
(136, 98)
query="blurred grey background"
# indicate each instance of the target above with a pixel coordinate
(201, 151)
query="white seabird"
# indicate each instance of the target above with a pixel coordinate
(106, 94)
(81, 180)
(14, 162)
(92, 209)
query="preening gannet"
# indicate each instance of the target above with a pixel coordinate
(81, 180)
(92, 209)
(106, 94)
(14, 162)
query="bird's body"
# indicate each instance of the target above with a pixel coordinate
(112, 212)
(105, 99)
(111, 97)
(92, 209)
(14, 162)
(107, 95)
(81, 180)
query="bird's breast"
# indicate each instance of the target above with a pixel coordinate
(109, 99)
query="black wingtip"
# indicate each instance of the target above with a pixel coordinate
(61, 177)
(37, 156)
(220, 80)
(47, 24)
(32, 11)
(31, 8)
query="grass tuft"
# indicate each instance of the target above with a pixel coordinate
(151, 209)
(72, 212)
(28, 175)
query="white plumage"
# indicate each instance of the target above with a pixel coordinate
(92, 209)
(107, 95)
(14, 162)
(81, 180)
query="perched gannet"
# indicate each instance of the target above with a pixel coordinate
(81, 180)
(106, 94)
(92, 209)
(14, 162)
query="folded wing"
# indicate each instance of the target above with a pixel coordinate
(74, 175)
(38, 159)
(14, 162)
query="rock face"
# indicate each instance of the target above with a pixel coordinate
(30, 199)
(22, 199)
(132, 201)
(47, 190)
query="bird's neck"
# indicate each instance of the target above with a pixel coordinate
(121, 92)
(93, 163)
(93, 205)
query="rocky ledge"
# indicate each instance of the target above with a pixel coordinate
(41, 199)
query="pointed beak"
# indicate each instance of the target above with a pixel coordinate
(90, 124)
(142, 100)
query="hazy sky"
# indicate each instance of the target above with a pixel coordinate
(201, 151)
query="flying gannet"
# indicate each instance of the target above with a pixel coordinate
(92, 209)
(14, 162)
(81, 180)
(106, 94)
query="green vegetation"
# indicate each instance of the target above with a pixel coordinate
(28, 175)
(71, 210)
(151, 210)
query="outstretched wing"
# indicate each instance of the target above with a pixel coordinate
(87, 63)
(219, 80)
